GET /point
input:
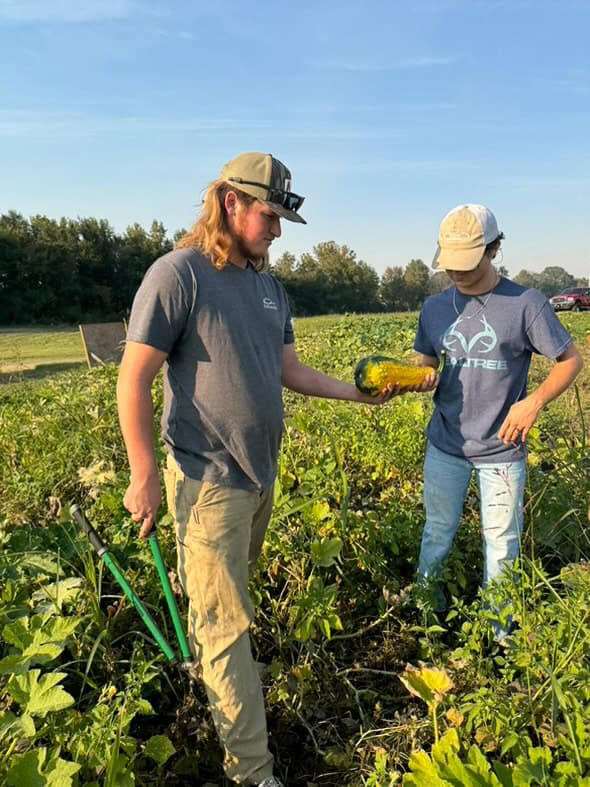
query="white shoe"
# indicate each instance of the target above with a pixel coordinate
(271, 781)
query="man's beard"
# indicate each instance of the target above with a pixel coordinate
(246, 252)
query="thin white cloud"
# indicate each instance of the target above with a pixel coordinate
(552, 184)
(49, 125)
(339, 134)
(64, 10)
(571, 85)
(71, 124)
(425, 165)
(183, 35)
(426, 61)
(421, 61)
(443, 6)
(333, 167)
(348, 109)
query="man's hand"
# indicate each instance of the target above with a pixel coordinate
(381, 398)
(519, 420)
(390, 391)
(142, 500)
(138, 369)
(523, 415)
(429, 384)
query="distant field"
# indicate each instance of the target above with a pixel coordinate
(32, 353)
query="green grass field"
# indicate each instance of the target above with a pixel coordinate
(87, 698)
(34, 353)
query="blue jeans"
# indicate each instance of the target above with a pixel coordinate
(501, 494)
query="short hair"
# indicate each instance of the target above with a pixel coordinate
(210, 233)
(495, 243)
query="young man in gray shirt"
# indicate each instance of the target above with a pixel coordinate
(220, 325)
(489, 328)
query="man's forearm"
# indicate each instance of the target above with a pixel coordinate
(311, 382)
(136, 416)
(559, 378)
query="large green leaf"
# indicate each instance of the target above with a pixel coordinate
(60, 772)
(428, 683)
(43, 563)
(16, 725)
(446, 767)
(159, 748)
(52, 597)
(27, 770)
(39, 696)
(39, 628)
(424, 772)
(319, 511)
(19, 664)
(325, 552)
(41, 639)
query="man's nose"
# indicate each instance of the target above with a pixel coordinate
(275, 227)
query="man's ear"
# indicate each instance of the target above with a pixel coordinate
(230, 202)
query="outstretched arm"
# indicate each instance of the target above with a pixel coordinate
(523, 414)
(139, 367)
(305, 380)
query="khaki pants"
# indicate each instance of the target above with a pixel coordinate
(219, 533)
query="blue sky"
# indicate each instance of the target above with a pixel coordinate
(387, 113)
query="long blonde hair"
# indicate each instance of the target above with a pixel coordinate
(211, 233)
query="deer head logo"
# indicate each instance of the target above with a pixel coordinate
(482, 342)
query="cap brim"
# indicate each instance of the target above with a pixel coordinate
(455, 260)
(290, 215)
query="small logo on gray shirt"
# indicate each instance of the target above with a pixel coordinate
(268, 303)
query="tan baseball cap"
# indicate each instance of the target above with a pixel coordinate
(267, 179)
(463, 236)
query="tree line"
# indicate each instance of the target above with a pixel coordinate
(72, 270)
(81, 270)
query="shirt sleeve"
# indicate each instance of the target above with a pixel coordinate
(422, 342)
(160, 308)
(289, 329)
(545, 333)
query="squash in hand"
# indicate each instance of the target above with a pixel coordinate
(374, 372)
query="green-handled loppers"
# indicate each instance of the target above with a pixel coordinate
(102, 551)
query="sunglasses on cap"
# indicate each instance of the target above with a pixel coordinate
(287, 199)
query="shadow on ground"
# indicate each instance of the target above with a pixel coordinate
(39, 371)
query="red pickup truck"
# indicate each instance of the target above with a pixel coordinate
(573, 299)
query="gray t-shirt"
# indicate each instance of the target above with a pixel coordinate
(489, 340)
(224, 333)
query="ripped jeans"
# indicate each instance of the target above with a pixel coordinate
(501, 494)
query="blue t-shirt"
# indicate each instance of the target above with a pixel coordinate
(489, 340)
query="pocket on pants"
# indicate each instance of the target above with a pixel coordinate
(170, 487)
(182, 494)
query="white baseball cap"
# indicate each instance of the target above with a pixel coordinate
(463, 236)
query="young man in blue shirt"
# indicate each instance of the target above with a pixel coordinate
(489, 328)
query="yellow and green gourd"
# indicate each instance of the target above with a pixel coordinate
(374, 372)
